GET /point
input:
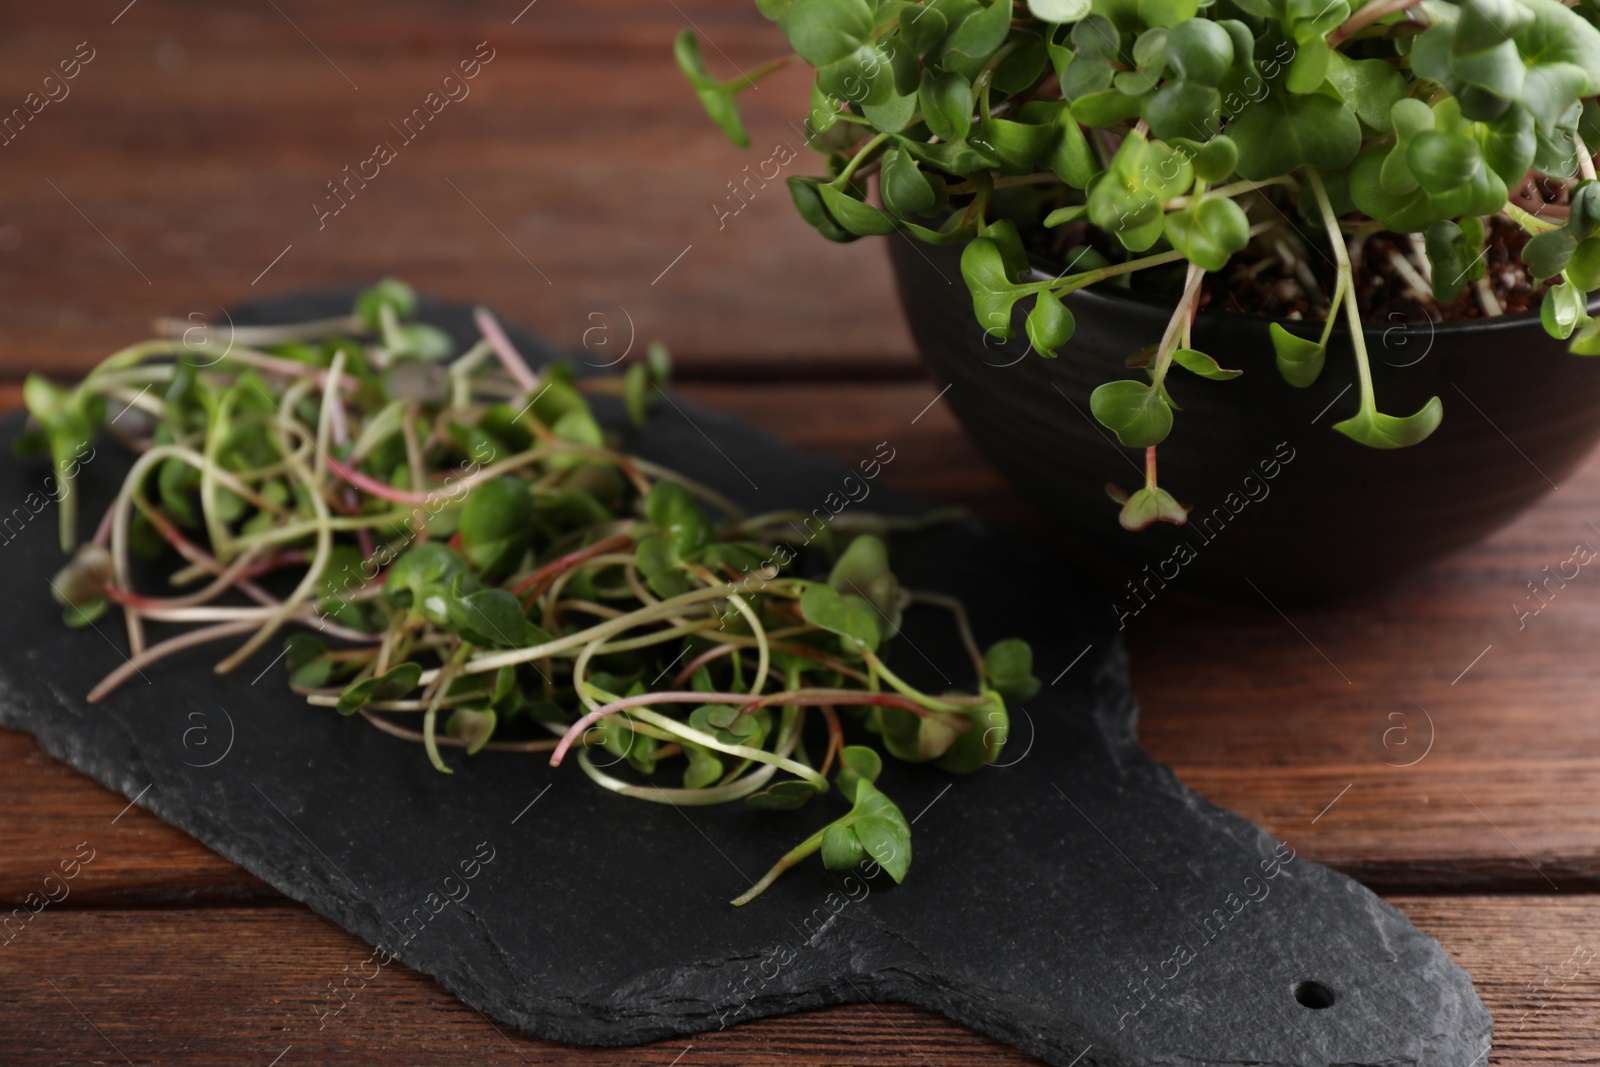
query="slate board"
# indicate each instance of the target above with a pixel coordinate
(1077, 902)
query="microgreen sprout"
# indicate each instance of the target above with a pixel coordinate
(462, 555)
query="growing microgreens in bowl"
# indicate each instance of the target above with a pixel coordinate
(1171, 137)
(488, 564)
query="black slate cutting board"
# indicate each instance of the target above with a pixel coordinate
(1077, 902)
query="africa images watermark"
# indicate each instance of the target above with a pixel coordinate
(782, 155)
(753, 581)
(1553, 980)
(451, 492)
(55, 890)
(776, 957)
(1208, 526)
(455, 89)
(53, 491)
(455, 891)
(1147, 988)
(1582, 555)
(54, 89)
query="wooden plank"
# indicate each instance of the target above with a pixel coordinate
(1276, 714)
(606, 26)
(188, 154)
(137, 857)
(1242, 705)
(244, 985)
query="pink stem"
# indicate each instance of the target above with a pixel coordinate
(102, 533)
(712, 653)
(504, 350)
(571, 559)
(288, 368)
(369, 484)
(282, 559)
(337, 422)
(222, 581)
(835, 738)
(200, 557)
(340, 431)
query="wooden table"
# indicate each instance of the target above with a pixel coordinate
(577, 187)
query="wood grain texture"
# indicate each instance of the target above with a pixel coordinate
(138, 858)
(1276, 713)
(243, 985)
(188, 154)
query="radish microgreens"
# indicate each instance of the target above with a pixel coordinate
(1183, 132)
(464, 547)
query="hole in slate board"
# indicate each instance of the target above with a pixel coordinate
(1314, 995)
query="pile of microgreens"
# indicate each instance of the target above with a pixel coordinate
(1186, 131)
(488, 563)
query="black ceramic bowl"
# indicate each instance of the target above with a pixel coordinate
(1277, 497)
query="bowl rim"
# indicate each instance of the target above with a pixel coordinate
(1041, 271)
(1432, 328)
